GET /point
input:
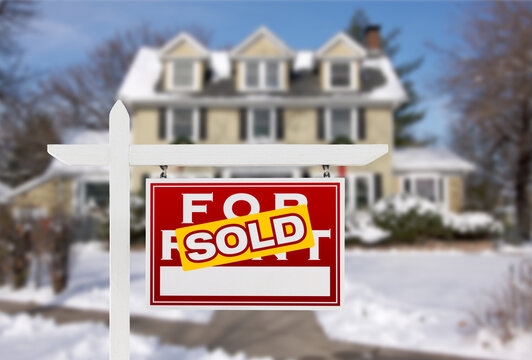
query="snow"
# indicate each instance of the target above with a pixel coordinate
(417, 300)
(89, 287)
(142, 76)
(421, 300)
(304, 60)
(84, 341)
(4, 190)
(220, 64)
(361, 227)
(469, 222)
(429, 159)
(392, 90)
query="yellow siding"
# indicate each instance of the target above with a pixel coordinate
(53, 195)
(455, 193)
(396, 185)
(223, 126)
(300, 126)
(340, 49)
(262, 47)
(184, 49)
(145, 126)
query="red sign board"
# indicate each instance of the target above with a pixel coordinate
(308, 277)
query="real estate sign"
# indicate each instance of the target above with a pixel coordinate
(245, 243)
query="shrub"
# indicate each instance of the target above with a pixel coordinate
(409, 219)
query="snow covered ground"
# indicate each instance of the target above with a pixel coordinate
(422, 301)
(415, 300)
(84, 341)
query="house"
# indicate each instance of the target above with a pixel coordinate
(261, 91)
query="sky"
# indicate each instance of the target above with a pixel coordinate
(64, 32)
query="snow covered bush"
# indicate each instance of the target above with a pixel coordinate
(409, 219)
(507, 313)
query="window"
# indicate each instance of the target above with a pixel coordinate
(426, 188)
(360, 191)
(340, 123)
(252, 75)
(261, 125)
(362, 200)
(183, 74)
(262, 75)
(182, 124)
(340, 75)
(272, 75)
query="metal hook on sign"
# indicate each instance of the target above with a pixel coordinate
(163, 168)
(326, 173)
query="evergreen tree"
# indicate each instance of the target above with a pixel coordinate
(409, 113)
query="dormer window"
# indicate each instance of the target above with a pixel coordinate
(340, 75)
(262, 75)
(183, 74)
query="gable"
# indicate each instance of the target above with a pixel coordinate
(184, 49)
(262, 46)
(262, 43)
(341, 49)
(183, 45)
(342, 45)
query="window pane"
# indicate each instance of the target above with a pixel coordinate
(425, 189)
(340, 74)
(183, 73)
(261, 123)
(182, 123)
(340, 123)
(97, 194)
(252, 74)
(272, 74)
(362, 193)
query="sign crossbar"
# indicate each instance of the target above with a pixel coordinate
(119, 154)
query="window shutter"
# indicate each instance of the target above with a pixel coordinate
(280, 124)
(361, 124)
(243, 124)
(378, 186)
(321, 124)
(203, 124)
(162, 124)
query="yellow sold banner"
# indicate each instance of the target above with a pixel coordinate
(245, 237)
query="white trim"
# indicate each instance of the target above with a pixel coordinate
(179, 38)
(349, 41)
(170, 122)
(353, 122)
(195, 86)
(263, 84)
(262, 31)
(328, 76)
(250, 119)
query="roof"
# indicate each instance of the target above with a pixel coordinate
(183, 37)
(429, 159)
(380, 83)
(57, 168)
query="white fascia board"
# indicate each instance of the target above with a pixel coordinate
(262, 31)
(183, 37)
(341, 36)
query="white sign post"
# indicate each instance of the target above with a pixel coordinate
(119, 155)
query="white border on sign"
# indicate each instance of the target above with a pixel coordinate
(341, 230)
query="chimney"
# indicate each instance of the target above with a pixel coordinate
(372, 35)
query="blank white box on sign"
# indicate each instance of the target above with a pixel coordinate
(246, 281)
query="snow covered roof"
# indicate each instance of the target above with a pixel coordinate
(429, 159)
(57, 168)
(142, 82)
(4, 190)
